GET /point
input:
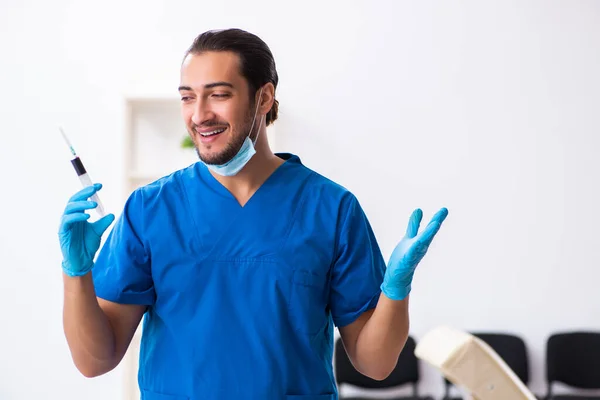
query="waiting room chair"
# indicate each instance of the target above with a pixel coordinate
(510, 348)
(405, 373)
(573, 359)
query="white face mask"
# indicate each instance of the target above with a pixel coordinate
(246, 152)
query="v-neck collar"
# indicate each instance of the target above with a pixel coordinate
(214, 184)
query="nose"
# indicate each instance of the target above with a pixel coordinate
(202, 112)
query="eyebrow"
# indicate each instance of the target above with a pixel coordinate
(208, 86)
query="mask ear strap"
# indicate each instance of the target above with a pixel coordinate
(254, 119)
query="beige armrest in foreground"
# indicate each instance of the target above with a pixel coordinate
(472, 364)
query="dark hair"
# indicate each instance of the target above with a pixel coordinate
(256, 60)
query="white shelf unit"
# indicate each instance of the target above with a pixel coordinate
(154, 130)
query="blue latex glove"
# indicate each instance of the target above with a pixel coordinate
(408, 253)
(80, 239)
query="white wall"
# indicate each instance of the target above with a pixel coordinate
(487, 108)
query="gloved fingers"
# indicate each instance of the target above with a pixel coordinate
(434, 225)
(429, 233)
(69, 219)
(102, 224)
(79, 206)
(413, 223)
(441, 215)
(86, 192)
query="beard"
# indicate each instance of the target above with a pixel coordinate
(236, 141)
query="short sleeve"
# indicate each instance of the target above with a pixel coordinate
(122, 271)
(359, 267)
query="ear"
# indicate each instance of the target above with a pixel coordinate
(267, 97)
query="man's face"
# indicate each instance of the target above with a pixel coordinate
(216, 106)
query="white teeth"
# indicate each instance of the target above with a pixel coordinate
(212, 132)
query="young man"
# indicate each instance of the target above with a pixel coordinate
(241, 263)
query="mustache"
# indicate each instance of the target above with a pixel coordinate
(209, 124)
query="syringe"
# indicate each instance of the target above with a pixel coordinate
(84, 178)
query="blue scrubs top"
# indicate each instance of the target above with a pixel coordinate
(242, 301)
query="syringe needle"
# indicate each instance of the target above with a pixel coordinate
(62, 132)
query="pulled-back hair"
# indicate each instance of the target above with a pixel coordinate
(256, 60)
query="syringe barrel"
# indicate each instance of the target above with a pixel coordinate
(87, 181)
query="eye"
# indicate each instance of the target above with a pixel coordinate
(220, 95)
(185, 98)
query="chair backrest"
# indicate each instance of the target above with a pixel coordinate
(510, 348)
(406, 371)
(573, 358)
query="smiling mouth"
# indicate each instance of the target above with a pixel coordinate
(211, 133)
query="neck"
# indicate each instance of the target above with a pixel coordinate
(254, 174)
